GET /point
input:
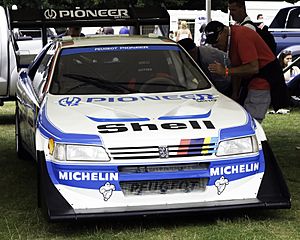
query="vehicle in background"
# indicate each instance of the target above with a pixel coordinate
(285, 27)
(30, 43)
(8, 60)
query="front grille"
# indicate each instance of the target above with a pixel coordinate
(167, 186)
(173, 151)
(163, 168)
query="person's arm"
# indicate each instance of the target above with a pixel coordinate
(177, 36)
(190, 34)
(244, 70)
(236, 86)
(296, 70)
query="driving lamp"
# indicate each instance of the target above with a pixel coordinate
(69, 152)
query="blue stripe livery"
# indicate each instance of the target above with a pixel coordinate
(50, 131)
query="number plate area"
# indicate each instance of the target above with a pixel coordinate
(166, 186)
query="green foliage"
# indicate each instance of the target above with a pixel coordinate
(170, 4)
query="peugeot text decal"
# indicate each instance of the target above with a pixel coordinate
(70, 51)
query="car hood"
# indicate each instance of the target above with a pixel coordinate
(135, 119)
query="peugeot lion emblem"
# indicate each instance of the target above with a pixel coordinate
(163, 151)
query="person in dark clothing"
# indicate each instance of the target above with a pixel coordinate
(205, 55)
(73, 31)
(253, 66)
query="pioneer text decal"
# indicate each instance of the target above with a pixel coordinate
(85, 13)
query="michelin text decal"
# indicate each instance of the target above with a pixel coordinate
(235, 169)
(87, 176)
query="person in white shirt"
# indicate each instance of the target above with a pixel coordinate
(285, 59)
(183, 32)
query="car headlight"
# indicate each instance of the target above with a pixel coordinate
(67, 152)
(238, 146)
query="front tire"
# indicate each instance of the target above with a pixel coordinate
(42, 203)
(21, 152)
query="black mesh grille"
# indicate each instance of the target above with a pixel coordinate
(163, 168)
(167, 186)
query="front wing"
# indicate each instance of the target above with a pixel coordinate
(272, 193)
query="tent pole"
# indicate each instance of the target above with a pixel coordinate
(208, 10)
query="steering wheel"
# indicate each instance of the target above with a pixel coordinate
(159, 84)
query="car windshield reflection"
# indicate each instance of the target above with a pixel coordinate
(123, 70)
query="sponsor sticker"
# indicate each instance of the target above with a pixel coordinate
(52, 14)
(235, 169)
(74, 101)
(69, 101)
(221, 184)
(107, 190)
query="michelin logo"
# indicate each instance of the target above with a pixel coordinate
(234, 169)
(107, 190)
(221, 184)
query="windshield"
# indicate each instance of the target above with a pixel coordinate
(125, 69)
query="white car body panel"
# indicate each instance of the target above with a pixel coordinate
(162, 146)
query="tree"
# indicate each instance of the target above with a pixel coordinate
(170, 4)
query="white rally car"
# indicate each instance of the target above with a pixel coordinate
(129, 125)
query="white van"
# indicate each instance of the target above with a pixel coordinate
(8, 61)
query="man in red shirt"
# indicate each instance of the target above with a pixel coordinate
(251, 59)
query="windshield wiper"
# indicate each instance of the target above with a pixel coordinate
(98, 82)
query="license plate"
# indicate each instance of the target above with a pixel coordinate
(163, 186)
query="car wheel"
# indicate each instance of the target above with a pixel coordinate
(42, 203)
(21, 152)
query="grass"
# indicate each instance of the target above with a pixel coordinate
(21, 219)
